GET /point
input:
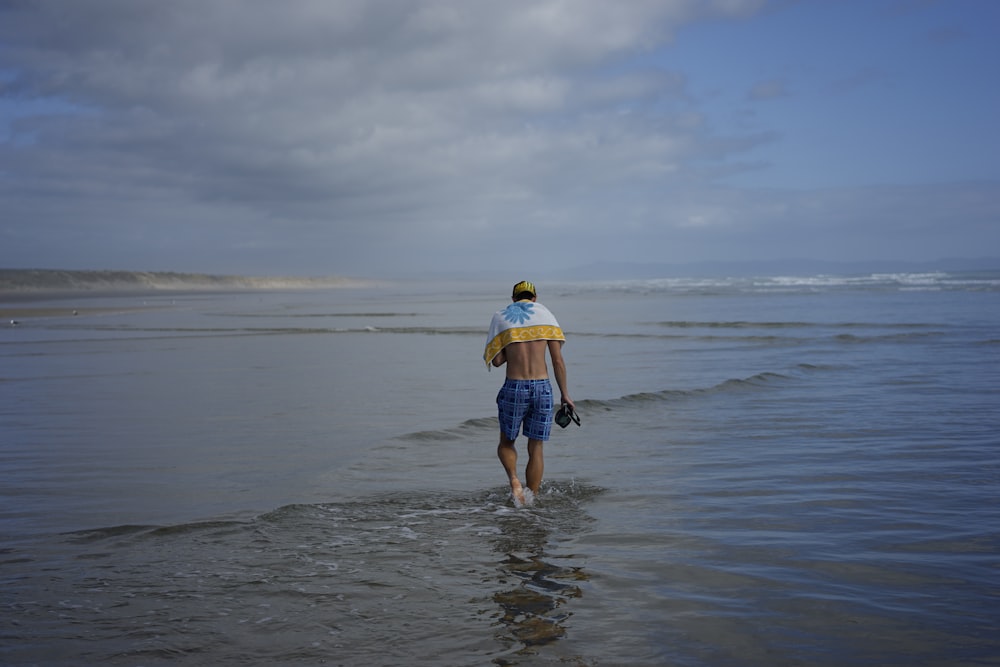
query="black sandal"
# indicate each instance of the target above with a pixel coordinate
(566, 415)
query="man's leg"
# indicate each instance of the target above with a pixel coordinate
(536, 465)
(508, 458)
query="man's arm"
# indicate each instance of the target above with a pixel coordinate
(500, 359)
(559, 370)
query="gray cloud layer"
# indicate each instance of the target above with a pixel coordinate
(359, 136)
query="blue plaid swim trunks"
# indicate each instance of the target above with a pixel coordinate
(527, 402)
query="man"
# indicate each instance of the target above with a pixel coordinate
(519, 336)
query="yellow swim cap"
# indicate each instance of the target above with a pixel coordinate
(524, 286)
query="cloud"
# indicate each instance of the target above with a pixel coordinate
(310, 135)
(353, 114)
(768, 90)
(866, 77)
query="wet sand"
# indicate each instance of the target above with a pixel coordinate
(23, 312)
(34, 304)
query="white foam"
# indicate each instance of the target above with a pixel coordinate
(904, 280)
(529, 499)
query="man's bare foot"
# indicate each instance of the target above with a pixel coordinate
(517, 490)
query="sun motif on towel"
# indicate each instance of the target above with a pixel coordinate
(519, 313)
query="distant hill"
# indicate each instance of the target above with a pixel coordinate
(39, 280)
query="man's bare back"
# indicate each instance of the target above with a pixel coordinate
(526, 361)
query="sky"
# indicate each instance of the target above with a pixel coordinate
(386, 137)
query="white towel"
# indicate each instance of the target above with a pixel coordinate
(519, 322)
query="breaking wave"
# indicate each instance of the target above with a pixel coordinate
(898, 281)
(760, 381)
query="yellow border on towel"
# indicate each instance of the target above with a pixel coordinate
(520, 335)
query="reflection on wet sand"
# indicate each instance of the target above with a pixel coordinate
(531, 610)
(535, 591)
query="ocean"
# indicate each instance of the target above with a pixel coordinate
(798, 470)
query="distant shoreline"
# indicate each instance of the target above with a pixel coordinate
(21, 284)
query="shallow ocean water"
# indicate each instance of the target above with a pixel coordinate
(778, 471)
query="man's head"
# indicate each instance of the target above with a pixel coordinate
(524, 290)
